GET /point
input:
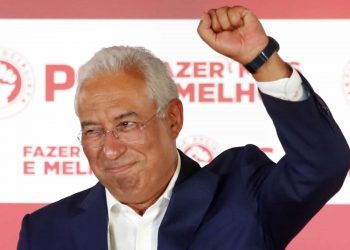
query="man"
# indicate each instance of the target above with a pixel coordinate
(151, 196)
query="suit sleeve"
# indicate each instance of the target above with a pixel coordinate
(23, 235)
(313, 169)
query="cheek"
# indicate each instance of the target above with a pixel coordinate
(161, 133)
(158, 144)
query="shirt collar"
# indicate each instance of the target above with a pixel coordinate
(111, 201)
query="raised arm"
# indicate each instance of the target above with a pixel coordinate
(316, 157)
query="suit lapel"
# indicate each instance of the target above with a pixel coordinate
(91, 221)
(192, 195)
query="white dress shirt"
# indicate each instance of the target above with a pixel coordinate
(127, 230)
(289, 89)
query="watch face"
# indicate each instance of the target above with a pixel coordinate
(346, 82)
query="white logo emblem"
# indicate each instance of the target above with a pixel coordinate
(16, 82)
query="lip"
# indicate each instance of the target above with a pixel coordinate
(120, 168)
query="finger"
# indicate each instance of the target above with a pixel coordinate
(236, 16)
(223, 19)
(205, 30)
(214, 21)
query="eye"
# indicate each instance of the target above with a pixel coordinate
(126, 126)
(92, 132)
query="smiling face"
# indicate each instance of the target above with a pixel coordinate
(134, 172)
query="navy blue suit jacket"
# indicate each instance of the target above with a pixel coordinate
(242, 200)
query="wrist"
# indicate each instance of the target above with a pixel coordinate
(267, 65)
(264, 54)
(273, 69)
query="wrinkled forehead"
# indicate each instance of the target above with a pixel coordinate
(106, 75)
(126, 90)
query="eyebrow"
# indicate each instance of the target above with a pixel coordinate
(119, 117)
(127, 114)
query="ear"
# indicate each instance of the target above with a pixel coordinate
(174, 117)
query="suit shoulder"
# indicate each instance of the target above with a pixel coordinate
(236, 158)
(249, 151)
(64, 206)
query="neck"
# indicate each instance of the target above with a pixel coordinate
(140, 208)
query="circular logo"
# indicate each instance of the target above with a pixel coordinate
(346, 82)
(16, 82)
(200, 148)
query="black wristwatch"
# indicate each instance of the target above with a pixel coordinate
(264, 55)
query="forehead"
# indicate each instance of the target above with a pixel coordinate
(119, 81)
(120, 92)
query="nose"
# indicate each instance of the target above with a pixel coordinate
(113, 148)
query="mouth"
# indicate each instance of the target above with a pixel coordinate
(119, 168)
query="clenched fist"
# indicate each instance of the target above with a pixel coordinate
(238, 34)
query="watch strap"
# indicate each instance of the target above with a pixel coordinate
(264, 55)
